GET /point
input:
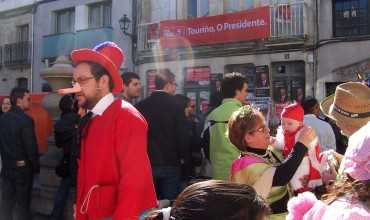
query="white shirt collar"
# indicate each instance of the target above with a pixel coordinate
(103, 104)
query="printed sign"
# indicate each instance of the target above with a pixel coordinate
(280, 91)
(204, 101)
(233, 27)
(150, 81)
(297, 90)
(197, 76)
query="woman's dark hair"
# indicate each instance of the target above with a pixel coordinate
(216, 199)
(359, 190)
(182, 101)
(98, 71)
(66, 104)
(242, 121)
(230, 83)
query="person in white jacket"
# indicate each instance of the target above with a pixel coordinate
(323, 129)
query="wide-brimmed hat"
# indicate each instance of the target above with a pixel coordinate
(106, 54)
(350, 104)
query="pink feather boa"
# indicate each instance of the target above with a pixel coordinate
(298, 206)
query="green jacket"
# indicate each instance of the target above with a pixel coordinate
(222, 152)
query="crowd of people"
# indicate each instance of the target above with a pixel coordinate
(148, 159)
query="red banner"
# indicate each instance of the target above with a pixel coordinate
(233, 27)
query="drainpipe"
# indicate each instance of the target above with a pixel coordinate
(316, 48)
(134, 36)
(33, 10)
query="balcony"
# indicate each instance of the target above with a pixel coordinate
(62, 44)
(17, 54)
(286, 22)
(148, 36)
(58, 44)
(91, 37)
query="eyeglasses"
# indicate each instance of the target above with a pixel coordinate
(262, 129)
(81, 81)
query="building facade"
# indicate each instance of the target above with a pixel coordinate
(16, 27)
(344, 43)
(267, 41)
(64, 25)
(310, 46)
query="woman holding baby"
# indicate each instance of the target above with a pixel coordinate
(262, 166)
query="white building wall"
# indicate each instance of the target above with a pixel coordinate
(44, 24)
(12, 15)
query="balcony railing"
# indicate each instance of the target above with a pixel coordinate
(1, 56)
(91, 37)
(57, 44)
(17, 54)
(148, 35)
(286, 21)
(62, 44)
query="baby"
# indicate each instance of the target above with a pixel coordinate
(307, 177)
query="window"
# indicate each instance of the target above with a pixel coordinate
(197, 8)
(351, 17)
(100, 14)
(238, 5)
(231, 5)
(22, 83)
(22, 33)
(157, 10)
(288, 81)
(65, 20)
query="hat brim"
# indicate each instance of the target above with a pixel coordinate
(82, 55)
(325, 106)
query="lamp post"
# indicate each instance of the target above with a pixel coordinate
(125, 24)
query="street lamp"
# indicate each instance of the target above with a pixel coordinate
(124, 24)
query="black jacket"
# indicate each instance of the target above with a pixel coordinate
(65, 134)
(167, 130)
(18, 140)
(65, 131)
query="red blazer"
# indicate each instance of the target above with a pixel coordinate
(114, 175)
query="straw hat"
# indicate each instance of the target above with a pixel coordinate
(349, 104)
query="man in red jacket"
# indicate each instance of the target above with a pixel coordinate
(114, 175)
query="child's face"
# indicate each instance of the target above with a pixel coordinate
(290, 125)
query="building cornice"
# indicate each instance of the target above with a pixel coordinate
(226, 50)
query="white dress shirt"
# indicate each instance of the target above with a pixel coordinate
(103, 104)
(323, 130)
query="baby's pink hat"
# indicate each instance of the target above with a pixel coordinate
(357, 157)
